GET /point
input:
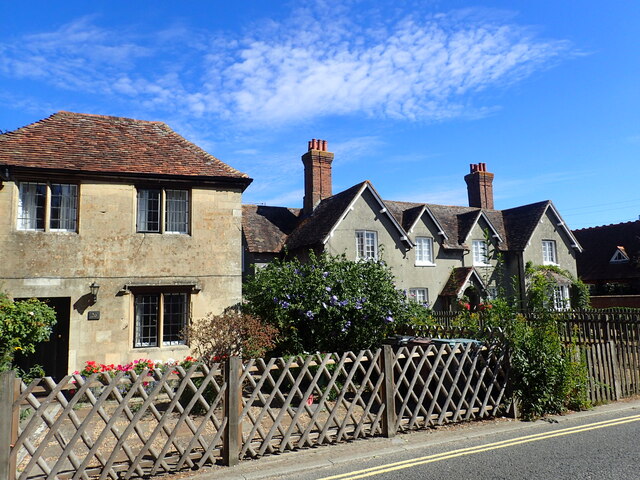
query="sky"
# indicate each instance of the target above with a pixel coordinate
(407, 94)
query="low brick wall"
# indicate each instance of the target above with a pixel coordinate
(608, 301)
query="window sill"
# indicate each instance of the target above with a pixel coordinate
(47, 232)
(482, 265)
(163, 347)
(424, 264)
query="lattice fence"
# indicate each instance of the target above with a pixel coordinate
(312, 400)
(442, 383)
(130, 425)
(155, 422)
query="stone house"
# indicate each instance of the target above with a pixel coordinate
(610, 263)
(127, 229)
(438, 253)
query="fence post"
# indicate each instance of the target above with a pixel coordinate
(232, 408)
(8, 424)
(388, 399)
(613, 353)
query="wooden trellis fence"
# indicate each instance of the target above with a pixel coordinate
(160, 422)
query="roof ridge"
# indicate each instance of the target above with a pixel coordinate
(607, 225)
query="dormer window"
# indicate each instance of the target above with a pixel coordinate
(366, 245)
(480, 254)
(549, 253)
(620, 256)
(424, 251)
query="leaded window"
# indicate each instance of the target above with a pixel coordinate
(54, 205)
(160, 316)
(163, 211)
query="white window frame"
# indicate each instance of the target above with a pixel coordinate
(549, 252)
(561, 297)
(480, 253)
(161, 306)
(47, 207)
(172, 213)
(419, 295)
(424, 251)
(366, 245)
(492, 293)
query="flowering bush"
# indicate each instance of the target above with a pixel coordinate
(325, 304)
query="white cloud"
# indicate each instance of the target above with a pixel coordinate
(317, 63)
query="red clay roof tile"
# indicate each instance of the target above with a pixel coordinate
(104, 144)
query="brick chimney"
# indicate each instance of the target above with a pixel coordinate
(480, 186)
(317, 174)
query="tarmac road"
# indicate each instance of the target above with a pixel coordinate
(599, 444)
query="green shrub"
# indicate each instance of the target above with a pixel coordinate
(23, 325)
(327, 304)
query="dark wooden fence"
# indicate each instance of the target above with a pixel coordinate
(156, 422)
(608, 340)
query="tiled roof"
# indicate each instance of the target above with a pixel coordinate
(102, 144)
(266, 228)
(457, 281)
(405, 213)
(520, 222)
(600, 244)
(514, 226)
(314, 229)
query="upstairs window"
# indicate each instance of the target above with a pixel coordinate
(163, 211)
(549, 254)
(366, 245)
(480, 253)
(424, 251)
(160, 319)
(48, 206)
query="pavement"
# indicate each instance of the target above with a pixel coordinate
(298, 461)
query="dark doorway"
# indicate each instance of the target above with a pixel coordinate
(53, 355)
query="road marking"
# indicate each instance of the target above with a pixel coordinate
(390, 467)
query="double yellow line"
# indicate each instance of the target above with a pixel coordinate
(390, 467)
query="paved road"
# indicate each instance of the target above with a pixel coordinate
(603, 449)
(601, 444)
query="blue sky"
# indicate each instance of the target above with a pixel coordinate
(407, 94)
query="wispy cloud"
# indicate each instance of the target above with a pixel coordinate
(420, 67)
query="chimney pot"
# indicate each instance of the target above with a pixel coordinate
(317, 174)
(480, 186)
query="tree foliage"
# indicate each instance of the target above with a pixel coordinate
(23, 325)
(326, 304)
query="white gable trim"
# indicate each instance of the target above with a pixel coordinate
(495, 235)
(467, 281)
(383, 210)
(574, 241)
(426, 209)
